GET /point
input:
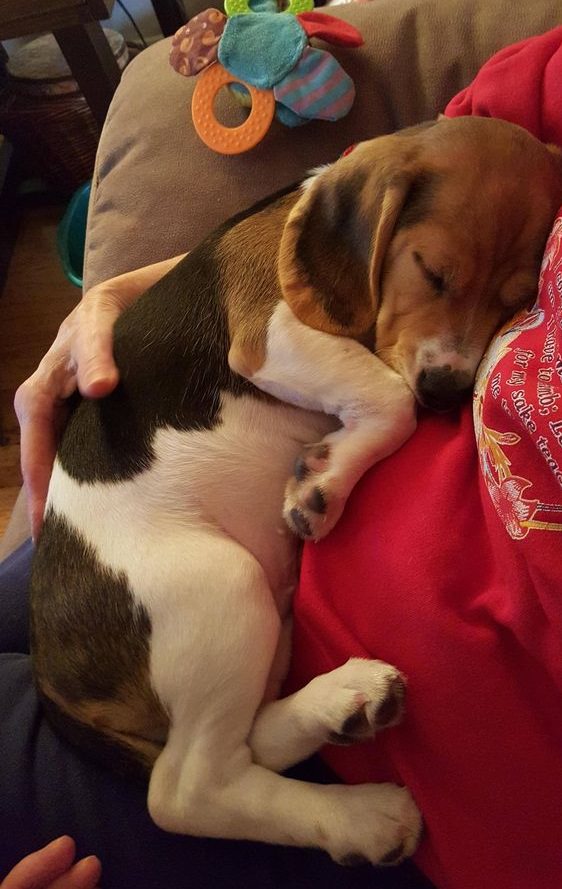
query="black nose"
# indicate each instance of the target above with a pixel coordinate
(442, 388)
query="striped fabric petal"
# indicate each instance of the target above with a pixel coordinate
(317, 87)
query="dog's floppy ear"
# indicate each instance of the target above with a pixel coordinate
(335, 239)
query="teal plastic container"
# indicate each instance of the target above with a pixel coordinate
(71, 235)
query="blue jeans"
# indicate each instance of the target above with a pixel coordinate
(47, 788)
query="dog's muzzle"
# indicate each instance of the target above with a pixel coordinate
(442, 388)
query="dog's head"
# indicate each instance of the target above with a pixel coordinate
(422, 243)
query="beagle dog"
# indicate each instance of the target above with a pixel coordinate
(292, 344)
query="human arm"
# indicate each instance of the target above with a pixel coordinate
(80, 357)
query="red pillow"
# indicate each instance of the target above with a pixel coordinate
(448, 564)
(523, 84)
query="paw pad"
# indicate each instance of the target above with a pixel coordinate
(353, 860)
(394, 856)
(316, 501)
(300, 523)
(301, 469)
(312, 503)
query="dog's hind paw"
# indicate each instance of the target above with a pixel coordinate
(387, 827)
(357, 700)
(371, 716)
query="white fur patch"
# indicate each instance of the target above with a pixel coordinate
(437, 352)
(313, 175)
(321, 371)
(204, 481)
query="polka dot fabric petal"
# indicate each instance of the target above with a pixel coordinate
(195, 45)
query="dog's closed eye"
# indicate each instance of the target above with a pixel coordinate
(435, 278)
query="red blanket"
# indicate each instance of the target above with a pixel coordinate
(448, 563)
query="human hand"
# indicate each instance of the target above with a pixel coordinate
(80, 357)
(52, 867)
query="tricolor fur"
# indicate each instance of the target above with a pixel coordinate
(162, 583)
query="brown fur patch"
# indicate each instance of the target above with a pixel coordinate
(131, 720)
(90, 643)
(335, 240)
(249, 264)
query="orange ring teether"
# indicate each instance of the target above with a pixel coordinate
(229, 140)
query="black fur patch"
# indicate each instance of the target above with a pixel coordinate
(171, 348)
(419, 201)
(332, 250)
(88, 636)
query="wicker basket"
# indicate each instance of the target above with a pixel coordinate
(44, 115)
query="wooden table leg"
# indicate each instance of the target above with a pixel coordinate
(169, 15)
(92, 63)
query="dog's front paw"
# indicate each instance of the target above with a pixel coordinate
(386, 827)
(313, 503)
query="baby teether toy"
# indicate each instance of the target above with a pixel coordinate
(269, 54)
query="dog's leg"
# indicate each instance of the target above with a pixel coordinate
(211, 674)
(347, 705)
(338, 376)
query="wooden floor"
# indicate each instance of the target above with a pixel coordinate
(35, 299)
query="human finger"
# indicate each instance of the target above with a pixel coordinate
(85, 874)
(92, 348)
(41, 868)
(41, 411)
